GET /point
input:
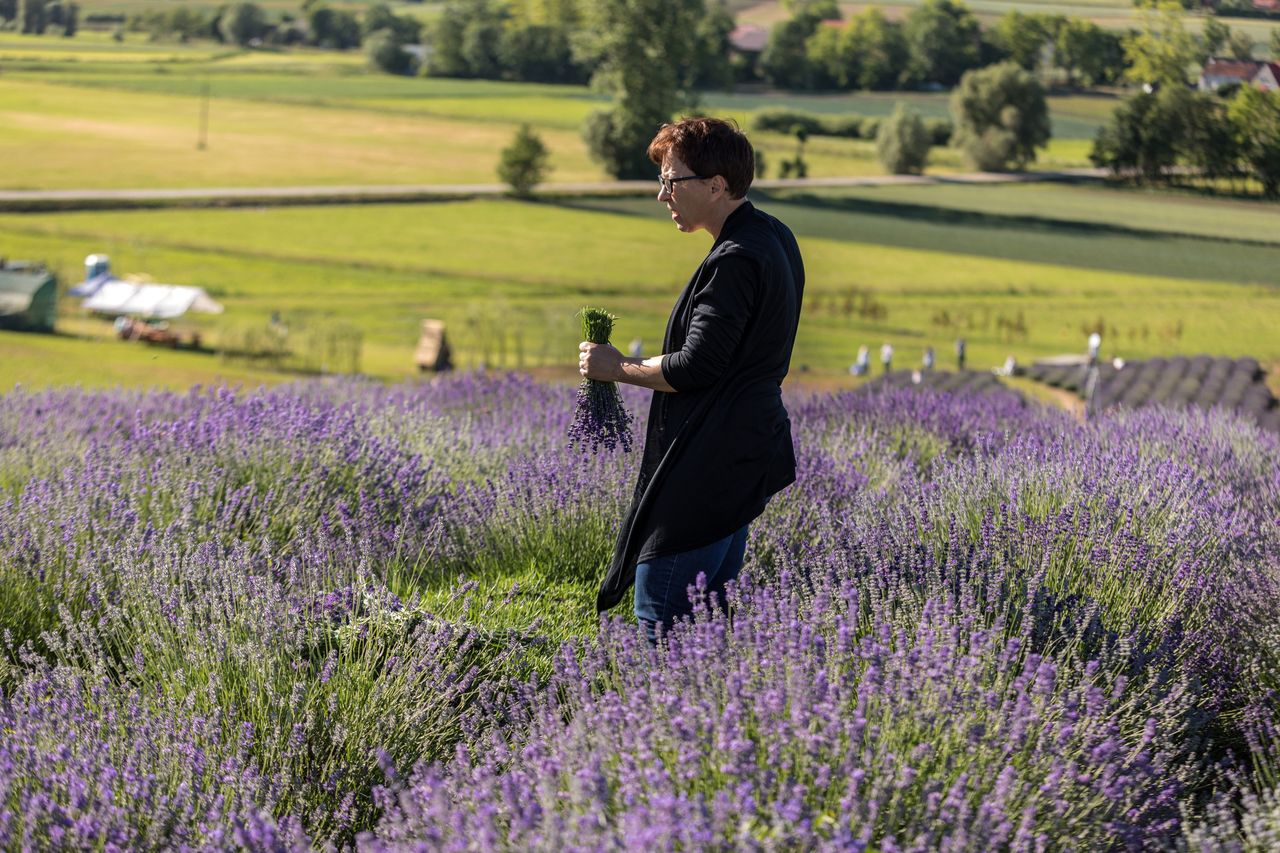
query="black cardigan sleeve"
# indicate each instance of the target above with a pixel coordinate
(721, 309)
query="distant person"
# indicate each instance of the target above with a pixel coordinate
(636, 349)
(928, 358)
(1095, 347)
(916, 377)
(862, 366)
(1010, 366)
(886, 356)
(718, 443)
(960, 346)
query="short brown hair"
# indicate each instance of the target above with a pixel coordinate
(710, 147)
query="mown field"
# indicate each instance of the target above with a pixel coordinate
(87, 112)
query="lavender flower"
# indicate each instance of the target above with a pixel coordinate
(245, 618)
(600, 419)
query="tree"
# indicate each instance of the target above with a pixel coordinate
(1089, 54)
(380, 17)
(524, 162)
(243, 23)
(386, 52)
(482, 47)
(645, 53)
(539, 52)
(1000, 117)
(70, 19)
(1275, 44)
(785, 60)
(1240, 46)
(1140, 140)
(902, 142)
(1161, 50)
(332, 28)
(1023, 38)
(1207, 142)
(943, 41)
(466, 40)
(1255, 117)
(881, 48)
(8, 10)
(32, 17)
(713, 69)
(1212, 38)
(868, 52)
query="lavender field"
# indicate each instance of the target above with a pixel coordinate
(336, 615)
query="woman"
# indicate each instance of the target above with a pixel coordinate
(718, 444)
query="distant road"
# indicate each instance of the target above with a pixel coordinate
(90, 199)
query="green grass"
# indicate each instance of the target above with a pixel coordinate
(1056, 255)
(285, 129)
(1122, 208)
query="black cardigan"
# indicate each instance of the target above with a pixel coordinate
(718, 448)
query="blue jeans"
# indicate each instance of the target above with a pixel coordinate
(662, 583)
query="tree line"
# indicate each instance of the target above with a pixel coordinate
(37, 17)
(814, 49)
(382, 32)
(1169, 132)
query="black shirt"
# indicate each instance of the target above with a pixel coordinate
(718, 448)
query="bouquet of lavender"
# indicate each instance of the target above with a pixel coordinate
(599, 419)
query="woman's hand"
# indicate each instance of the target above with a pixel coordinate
(602, 362)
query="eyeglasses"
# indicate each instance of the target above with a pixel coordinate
(669, 184)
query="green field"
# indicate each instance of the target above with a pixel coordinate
(114, 130)
(90, 113)
(1193, 276)
(917, 266)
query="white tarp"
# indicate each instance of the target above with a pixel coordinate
(150, 301)
(91, 286)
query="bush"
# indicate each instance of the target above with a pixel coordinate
(1141, 139)
(939, 130)
(386, 53)
(242, 24)
(855, 126)
(847, 127)
(786, 121)
(902, 145)
(524, 162)
(619, 140)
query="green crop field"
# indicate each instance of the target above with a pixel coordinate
(1195, 276)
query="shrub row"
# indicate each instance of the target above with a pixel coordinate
(843, 126)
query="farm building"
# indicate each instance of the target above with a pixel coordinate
(1221, 72)
(28, 297)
